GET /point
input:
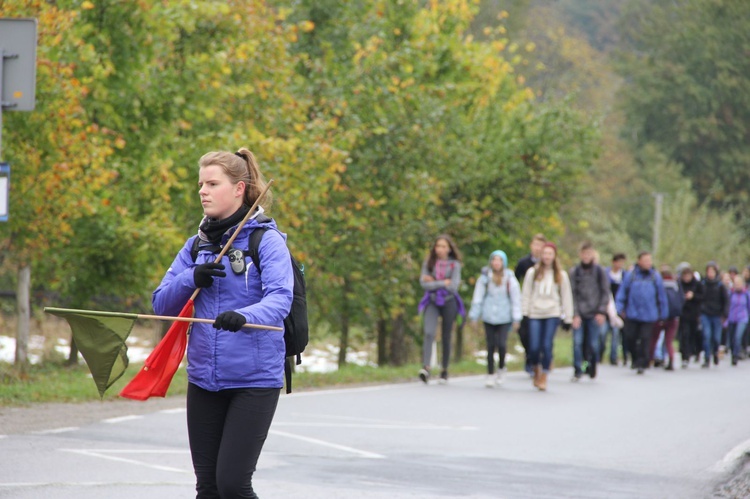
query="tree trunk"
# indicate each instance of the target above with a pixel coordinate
(24, 318)
(382, 342)
(398, 345)
(344, 338)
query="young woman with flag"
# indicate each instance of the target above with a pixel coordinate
(234, 374)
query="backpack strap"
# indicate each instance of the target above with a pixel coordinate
(253, 242)
(195, 249)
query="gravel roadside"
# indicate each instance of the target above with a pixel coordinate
(39, 417)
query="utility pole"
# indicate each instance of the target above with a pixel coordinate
(657, 223)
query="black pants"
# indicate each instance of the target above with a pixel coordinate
(523, 335)
(497, 339)
(227, 430)
(448, 312)
(639, 335)
(690, 338)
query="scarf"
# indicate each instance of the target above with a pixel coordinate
(212, 230)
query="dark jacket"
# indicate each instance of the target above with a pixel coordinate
(590, 288)
(523, 266)
(691, 310)
(715, 298)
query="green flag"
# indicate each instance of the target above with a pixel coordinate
(100, 337)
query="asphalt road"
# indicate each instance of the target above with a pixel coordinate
(660, 435)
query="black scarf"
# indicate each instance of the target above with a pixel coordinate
(212, 230)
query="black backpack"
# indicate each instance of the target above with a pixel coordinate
(675, 301)
(296, 330)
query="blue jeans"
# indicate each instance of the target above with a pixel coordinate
(606, 329)
(737, 330)
(541, 334)
(711, 335)
(594, 331)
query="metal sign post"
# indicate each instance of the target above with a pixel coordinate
(17, 84)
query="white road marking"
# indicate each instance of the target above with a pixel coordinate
(173, 411)
(371, 426)
(89, 484)
(105, 454)
(55, 430)
(121, 419)
(732, 458)
(362, 453)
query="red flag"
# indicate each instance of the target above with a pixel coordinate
(157, 372)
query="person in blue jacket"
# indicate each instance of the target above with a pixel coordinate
(234, 374)
(641, 301)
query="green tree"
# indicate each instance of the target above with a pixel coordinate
(687, 89)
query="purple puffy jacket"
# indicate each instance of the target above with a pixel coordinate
(249, 358)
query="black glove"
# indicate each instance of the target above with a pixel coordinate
(230, 320)
(204, 274)
(567, 326)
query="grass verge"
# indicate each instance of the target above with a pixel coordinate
(55, 382)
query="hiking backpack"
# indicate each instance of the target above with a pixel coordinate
(296, 330)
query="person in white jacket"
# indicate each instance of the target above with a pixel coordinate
(547, 300)
(497, 302)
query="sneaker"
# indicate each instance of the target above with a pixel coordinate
(499, 377)
(640, 370)
(716, 359)
(424, 375)
(592, 370)
(443, 377)
(489, 381)
(576, 376)
(734, 361)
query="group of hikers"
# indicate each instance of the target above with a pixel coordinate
(639, 309)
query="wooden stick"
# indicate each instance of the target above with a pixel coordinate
(236, 232)
(125, 315)
(205, 321)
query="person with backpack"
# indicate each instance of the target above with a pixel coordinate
(714, 308)
(739, 314)
(641, 301)
(591, 291)
(615, 273)
(688, 330)
(497, 301)
(675, 301)
(523, 266)
(546, 300)
(440, 279)
(234, 374)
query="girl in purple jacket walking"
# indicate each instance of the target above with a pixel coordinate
(234, 374)
(440, 278)
(739, 313)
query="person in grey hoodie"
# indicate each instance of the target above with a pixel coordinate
(590, 286)
(497, 301)
(440, 279)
